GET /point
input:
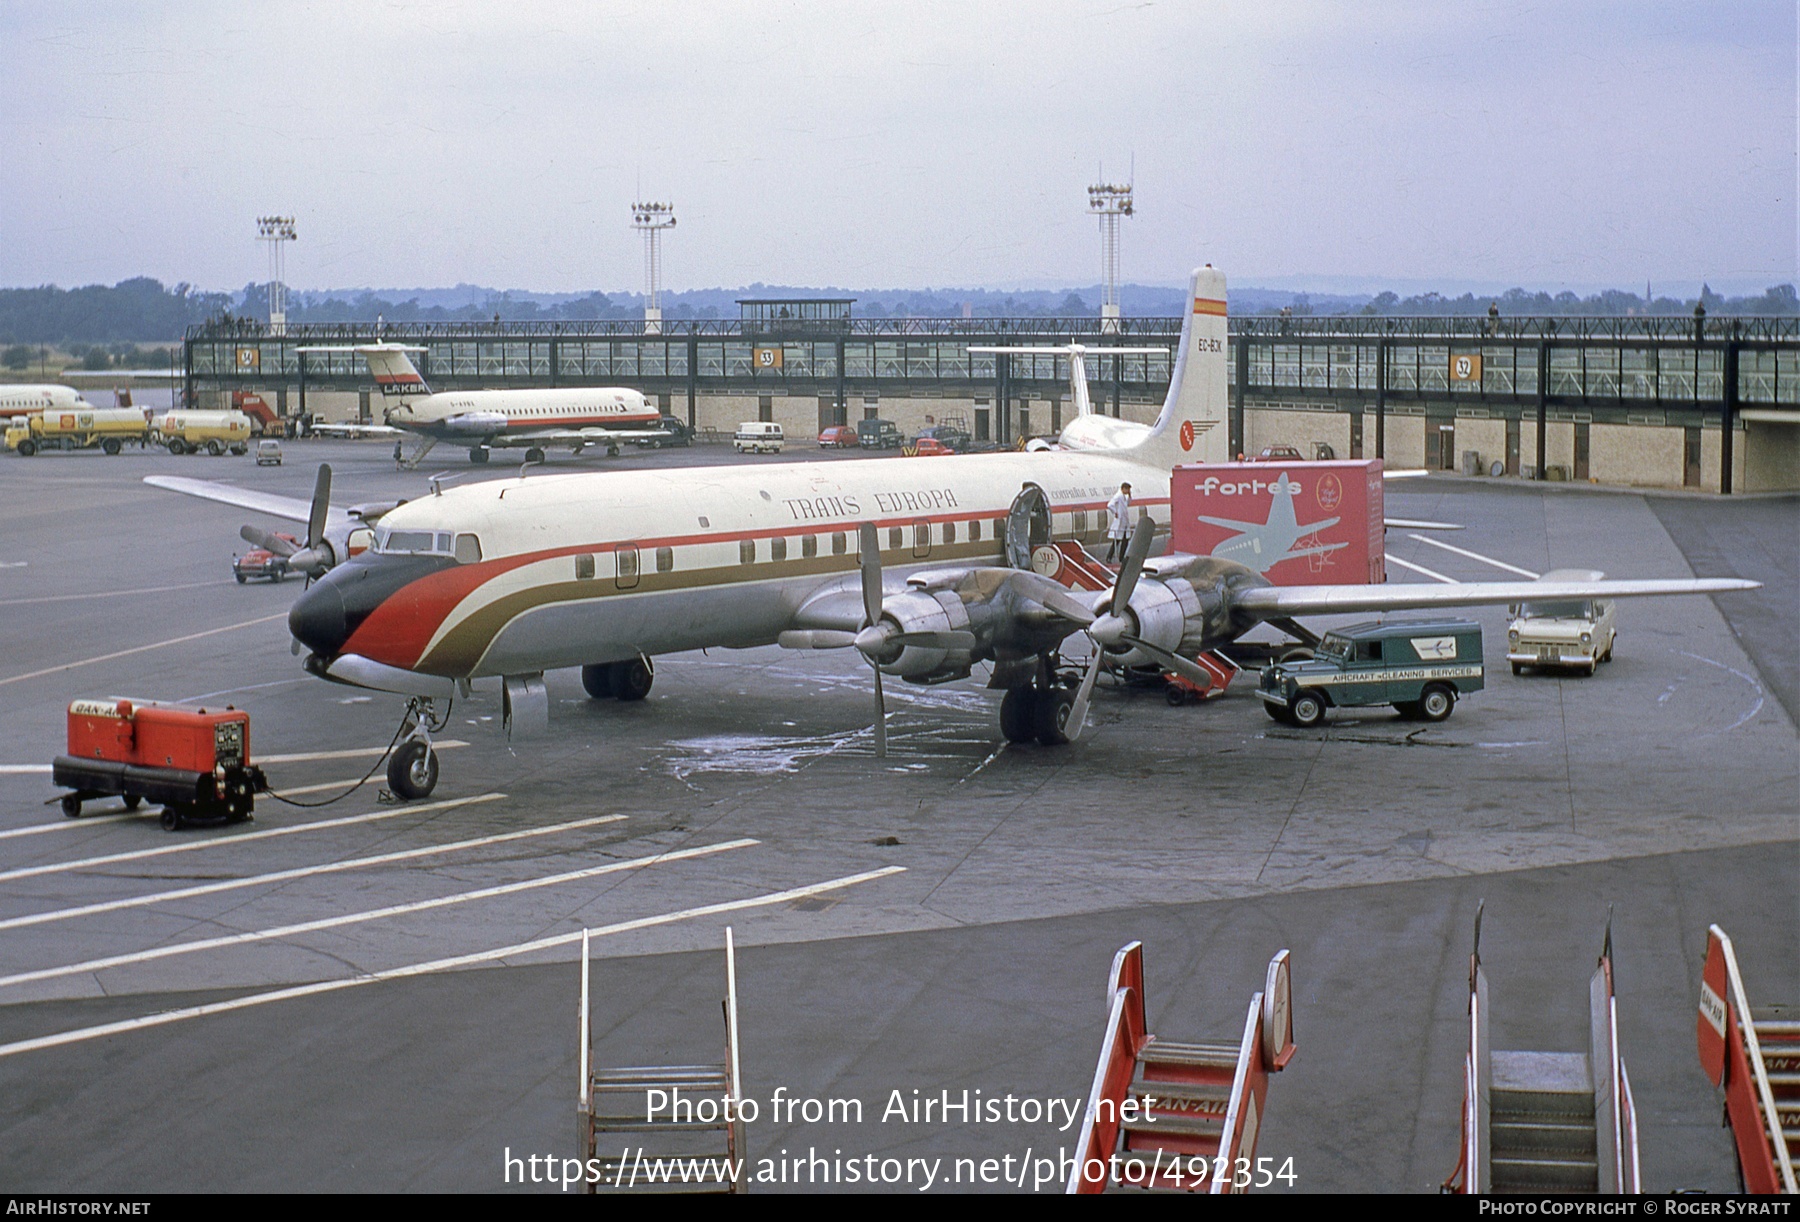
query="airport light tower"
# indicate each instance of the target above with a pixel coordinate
(276, 231)
(650, 220)
(1109, 203)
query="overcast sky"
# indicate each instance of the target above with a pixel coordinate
(1553, 144)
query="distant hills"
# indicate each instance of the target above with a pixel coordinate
(143, 310)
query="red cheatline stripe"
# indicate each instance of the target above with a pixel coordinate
(398, 631)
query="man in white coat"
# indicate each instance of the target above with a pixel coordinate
(1118, 522)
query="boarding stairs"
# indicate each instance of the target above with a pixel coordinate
(410, 462)
(1074, 566)
(1547, 1122)
(1164, 1116)
(1754, 1056)
(617, 1135)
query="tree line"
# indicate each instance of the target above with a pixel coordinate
(100, 325)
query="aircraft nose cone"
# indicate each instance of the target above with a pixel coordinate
(317, 620)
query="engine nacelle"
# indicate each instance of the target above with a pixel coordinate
(475, 424)
(917, 611)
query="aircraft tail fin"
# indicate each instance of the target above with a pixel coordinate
(394, 371)
(1194, 425)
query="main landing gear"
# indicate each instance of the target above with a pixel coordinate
(1040, 713)
(627, 680)
(413, 768)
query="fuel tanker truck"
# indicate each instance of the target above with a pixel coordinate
(78, 428)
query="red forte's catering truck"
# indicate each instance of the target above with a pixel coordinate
(1296, 523)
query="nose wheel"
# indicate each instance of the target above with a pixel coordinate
(413, 768)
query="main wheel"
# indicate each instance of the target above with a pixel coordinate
(1017, 715)
(71, 805)
(478, 453)
(631, 680)
(214, 448)
(1308, 709)
(240, 450)
(170, 818)
(110, 446)
(413, 770)
(534, 455)
(175, 446)
(1436, 701)
(596, 680)
(1051, 716)
(27, 448)
(612, 451)
(1176, 696)
(1518, 668)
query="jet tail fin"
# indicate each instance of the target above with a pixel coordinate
(391, 368)
(1194, 425)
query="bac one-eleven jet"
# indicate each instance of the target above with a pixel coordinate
(921, 566)
(572, 417)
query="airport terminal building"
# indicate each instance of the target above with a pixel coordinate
(1652, 401)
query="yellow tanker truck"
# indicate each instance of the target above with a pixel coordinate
(77, 428)
(189, 432)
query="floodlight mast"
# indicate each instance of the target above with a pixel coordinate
(650, 220)
(1109, 202)
(276, 231)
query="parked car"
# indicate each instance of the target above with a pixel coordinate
(261, 562)
(879, 435)
(1279, 454)
(1562, 634)
(838, 437)
(268, 453)
(673, 432)
(1421, 667)
(957, 439)
(758, 437)
(927, 447)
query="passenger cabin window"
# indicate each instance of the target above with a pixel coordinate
(584, 567)
(778, 549)
(894, 538)
(1078, 521)
(949, 532)
(665, 559)
(747, 551)
(975, 531)
(809, 546)
(839, 544)
(628, 567)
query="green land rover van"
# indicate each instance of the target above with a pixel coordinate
(1421, 667)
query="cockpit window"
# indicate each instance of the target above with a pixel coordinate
(414, 542)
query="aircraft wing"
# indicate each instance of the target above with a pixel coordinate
(569, 437)
(1270, 602)
(1418, 524)
(289, 508)
(357, 430)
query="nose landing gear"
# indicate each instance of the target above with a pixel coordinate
(413, 768)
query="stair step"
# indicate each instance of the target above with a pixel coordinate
(1178, 1126)
(616, 1175)
(1526, 1136)
(660, 1075)
(1516, 1174)
(1167, 1052)
(614, 1123)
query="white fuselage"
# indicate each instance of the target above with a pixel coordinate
(21, 399)
(482, 414)
(577, 569)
